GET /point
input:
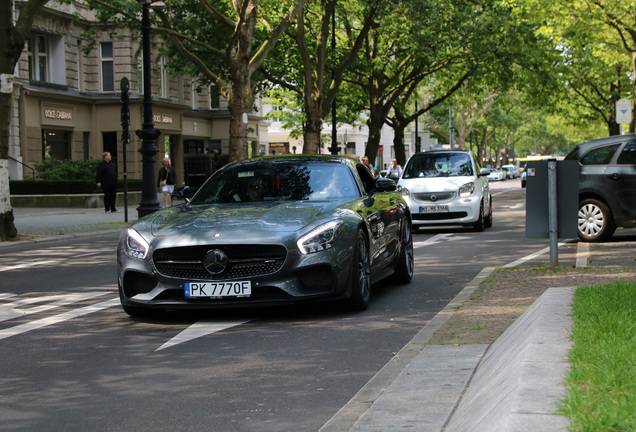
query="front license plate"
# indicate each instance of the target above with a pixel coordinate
(434, 209)
(218, 289)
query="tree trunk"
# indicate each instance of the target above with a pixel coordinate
(313, 118)
(238, 114)
(7, 227)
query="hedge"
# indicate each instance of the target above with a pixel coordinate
(48, 187)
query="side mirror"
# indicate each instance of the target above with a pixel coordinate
(384, 184)
(484, 172)
(182, 193)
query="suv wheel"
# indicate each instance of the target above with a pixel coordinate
(595, 221)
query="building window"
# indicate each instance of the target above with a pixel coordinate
(163, 78)
(193, 87)
(38, 49)
(46, 59)
(140, 73)
(56, 144)
(215, 95)
(108, 76)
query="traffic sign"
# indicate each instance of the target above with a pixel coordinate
(623, 111)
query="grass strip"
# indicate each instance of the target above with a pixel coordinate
(601, 386)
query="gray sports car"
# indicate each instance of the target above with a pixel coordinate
(269, 231)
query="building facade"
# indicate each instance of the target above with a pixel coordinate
(67, 101)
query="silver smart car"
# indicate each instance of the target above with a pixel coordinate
(447, 188)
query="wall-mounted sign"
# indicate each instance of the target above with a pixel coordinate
(159, 118)
(58, 115)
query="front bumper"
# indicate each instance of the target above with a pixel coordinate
(461, 211)
(295, 278)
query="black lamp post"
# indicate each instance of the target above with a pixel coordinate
(148, 134)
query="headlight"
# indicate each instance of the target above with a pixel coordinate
(403, 191)
(321, 238)
(467, 189)
(135, 245)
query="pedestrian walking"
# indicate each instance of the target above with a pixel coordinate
(166, 181)
(106, 179)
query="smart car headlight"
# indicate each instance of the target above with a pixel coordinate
(322, 237)
(403, 191)
(135, 245)
(467, 189)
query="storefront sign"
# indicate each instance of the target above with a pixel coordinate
(58, 115)
(159, 118)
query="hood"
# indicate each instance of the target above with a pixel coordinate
(232, 221)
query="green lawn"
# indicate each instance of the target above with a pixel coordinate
(601, 387)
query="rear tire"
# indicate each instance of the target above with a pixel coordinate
(595, 221)
(360, 278)
(404, 270)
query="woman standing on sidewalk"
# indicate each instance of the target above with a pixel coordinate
(166, 181)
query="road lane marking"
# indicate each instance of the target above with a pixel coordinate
(438, 239)
(86, 254)
(200, 329)
(20, 266)
(44, 322)
(531, 256)
(10, 310)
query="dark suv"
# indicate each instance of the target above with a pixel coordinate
(607, 186)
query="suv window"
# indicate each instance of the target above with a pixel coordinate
(599, 156)
(628, 155)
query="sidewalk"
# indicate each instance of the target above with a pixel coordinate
(513, 384)
(35, 219)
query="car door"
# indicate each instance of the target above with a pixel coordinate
(621, 181)
(381, 211)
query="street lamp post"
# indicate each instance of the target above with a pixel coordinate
(148, 134)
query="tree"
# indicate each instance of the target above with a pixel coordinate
(13, 37)
(305, 69)
(221, 42)
(597, 59)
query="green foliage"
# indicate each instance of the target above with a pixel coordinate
(58, 169)
(602, 382)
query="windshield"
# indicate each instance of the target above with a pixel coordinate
(439, 165)
(278, 181)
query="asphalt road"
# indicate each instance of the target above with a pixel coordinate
(72, 360)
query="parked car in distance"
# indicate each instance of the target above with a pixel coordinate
(496, 174)
(447, 188)
(511, 171)
(269, 231)
(607, 186)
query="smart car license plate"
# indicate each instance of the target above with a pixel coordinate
(218, 289)
(434, 209)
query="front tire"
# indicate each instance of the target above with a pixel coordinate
(595, 221)
(488, 220)
(479, 225)
(360, 278)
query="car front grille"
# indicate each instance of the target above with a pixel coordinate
(434, 196)
(438, 216)
(245, 261)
